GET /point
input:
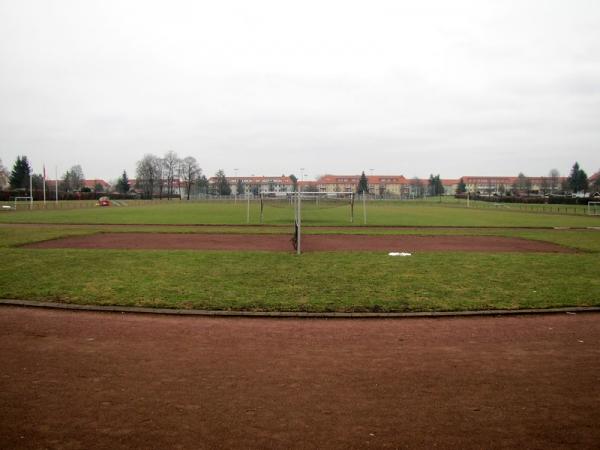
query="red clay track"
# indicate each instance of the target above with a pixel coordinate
(310, 243)
(92, 380)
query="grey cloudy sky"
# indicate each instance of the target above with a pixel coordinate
(456, 88)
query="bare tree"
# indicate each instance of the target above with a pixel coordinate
(189, 173)
(73, 179)
(554, 177)
(146, 174)
(159, 169)
(3, 176)
(171, 163)
(544, 185)
(522, 184)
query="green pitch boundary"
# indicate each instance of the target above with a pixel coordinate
(296, 314)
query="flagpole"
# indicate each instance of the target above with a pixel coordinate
(30, 190)
(56, 182)
(44, 185)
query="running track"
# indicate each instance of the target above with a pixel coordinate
(80, 380)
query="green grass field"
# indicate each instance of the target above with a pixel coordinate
(378, 213)
(344, 281)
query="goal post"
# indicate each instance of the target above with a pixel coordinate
(593, 208)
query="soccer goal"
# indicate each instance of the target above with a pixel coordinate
(28, 200)
(314, 201)
(593, 208)
(309, 206)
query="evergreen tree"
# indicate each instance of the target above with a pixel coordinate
(123, 184)
(203, 184)
(462, 187)
(573, 176)
(239, 187)
(221, 184)
(363, 184)
(435, 185)
(578, 180)
(19, 177)
(294, 182)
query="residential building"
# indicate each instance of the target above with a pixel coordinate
(95, 185)
(492, 185)
(450, 185)
(257, 185)
(385, 185)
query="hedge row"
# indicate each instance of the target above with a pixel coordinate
(553, 199)
(39, 195)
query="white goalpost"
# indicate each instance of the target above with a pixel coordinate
(320, 200)
(593, 208)
(24, 199)
(312, 201)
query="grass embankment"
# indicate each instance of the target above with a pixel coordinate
(312, 282)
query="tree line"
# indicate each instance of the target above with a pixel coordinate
(169, 175)
(156, 176)
(22, 175)
(576, 182)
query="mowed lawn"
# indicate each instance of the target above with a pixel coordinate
(345, 281)
(278, 213)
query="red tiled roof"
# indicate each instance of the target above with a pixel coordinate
(92, 183)
(503, 180)
(354, 179)
(450, 182)
(86, 183)
(256, 180)
(484, 179)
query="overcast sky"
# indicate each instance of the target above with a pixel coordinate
(457, 88)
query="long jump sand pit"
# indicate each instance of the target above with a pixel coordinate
(310, 243)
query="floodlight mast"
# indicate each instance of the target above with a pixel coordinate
(248, 208)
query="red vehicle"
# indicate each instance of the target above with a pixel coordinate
(103, 201)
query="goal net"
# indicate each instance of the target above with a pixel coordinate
(593, 208)
(309, 206)
(277, 207)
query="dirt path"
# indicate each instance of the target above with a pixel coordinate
(310, 243)
(91, 380)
